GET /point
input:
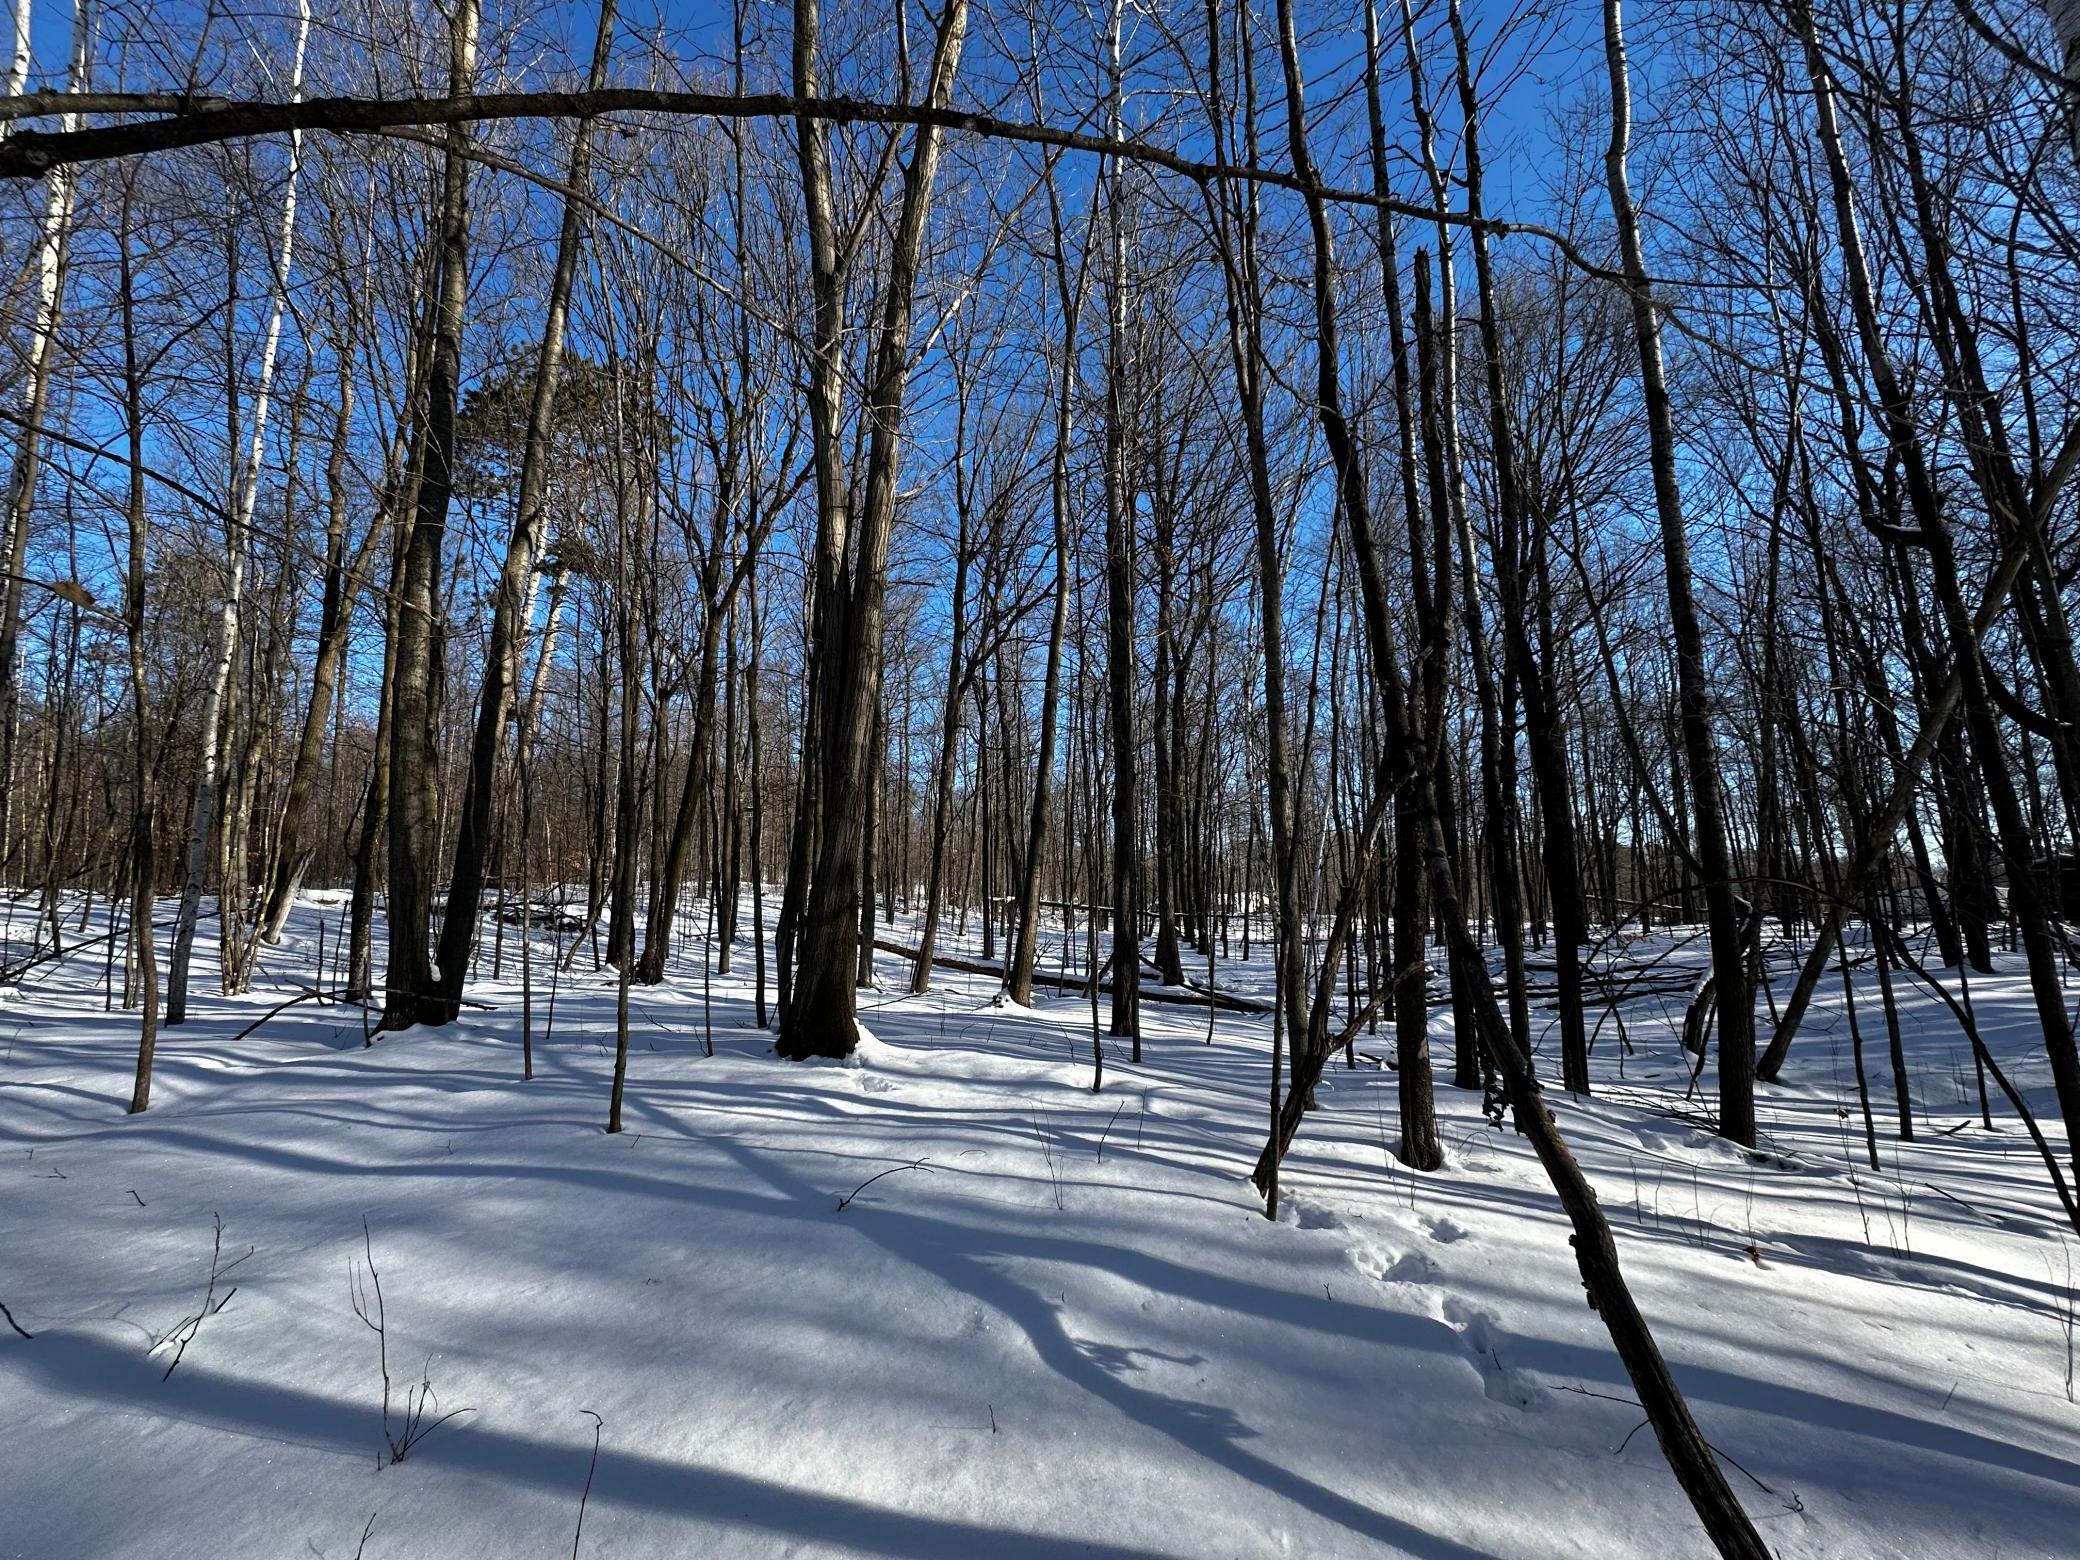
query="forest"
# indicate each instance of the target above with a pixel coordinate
(1189, 653)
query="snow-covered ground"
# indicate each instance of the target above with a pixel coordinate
(1065, 1330)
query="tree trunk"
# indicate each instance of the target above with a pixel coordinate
(238, 542)
(1723, 910)
(484, 783)
(819, 1020)
(411, 994)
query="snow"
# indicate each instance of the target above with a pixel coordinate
(1059, 1326)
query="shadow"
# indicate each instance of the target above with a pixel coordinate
(92, 1370)
(1207, 1430)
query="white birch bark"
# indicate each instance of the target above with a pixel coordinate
(18, 56)
(238, 541)
(60, 188)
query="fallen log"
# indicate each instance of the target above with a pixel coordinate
(1189, 995)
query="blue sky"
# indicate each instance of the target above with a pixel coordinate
(1553, 63)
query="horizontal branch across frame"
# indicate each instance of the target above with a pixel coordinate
(189, 120)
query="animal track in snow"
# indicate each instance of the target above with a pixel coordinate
(1309, 1215)
(1480, 1336)
(1411, 1267)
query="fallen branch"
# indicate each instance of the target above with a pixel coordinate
(12, 975)
(1191, 994)
(280, 1007)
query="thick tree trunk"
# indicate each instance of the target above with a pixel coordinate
(851, 579)
(484, 783)
(411, 994)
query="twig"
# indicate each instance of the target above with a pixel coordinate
(1054, 1178)
(598, 1424)
(1609, 1397)
(17, 1326)
(916, 1164)
(1108, 1130)
(2067, 1318)
(1968, 1208)
(279, 1007)
(417, 1400)
(186, 1329)
(1728, 1459)
(370, 1528)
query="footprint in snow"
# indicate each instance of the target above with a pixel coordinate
(1411, 1267)
(1445, 1232)
(1307, 1215)
(1663, 1136)
(1482, 1338)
